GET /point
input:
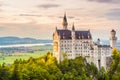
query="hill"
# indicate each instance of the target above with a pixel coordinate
(17, 40)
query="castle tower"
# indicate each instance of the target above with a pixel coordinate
(56, 45)
(73, 41)
(98, 41)
(73, 31)
(65, 23)
(113, 39)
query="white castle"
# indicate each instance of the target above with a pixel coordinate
(76, 43)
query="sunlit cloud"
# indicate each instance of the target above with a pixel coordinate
(29, 15)
(31, 18)
(26, 30)
(1, 5)
(69, 17)
(47, 6)
(106, 1)
(2, 28)
(113, 14)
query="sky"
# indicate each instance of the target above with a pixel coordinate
(38, 18)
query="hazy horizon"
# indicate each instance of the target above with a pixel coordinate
(38, 18)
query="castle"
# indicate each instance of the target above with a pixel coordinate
(76, 43)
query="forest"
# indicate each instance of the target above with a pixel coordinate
(47, 68)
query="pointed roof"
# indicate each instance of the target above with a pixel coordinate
(65, 23)
(98, 39)
(65, 19)
(113, 30)
(56, 28)
(66, 34)
(73, 27)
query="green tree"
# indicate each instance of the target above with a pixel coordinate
(4, 73)
(91, 70)
(114, 70)
(16, 74)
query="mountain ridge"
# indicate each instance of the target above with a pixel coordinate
(17, 40)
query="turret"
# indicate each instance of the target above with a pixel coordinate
(98, 41)
(65, 23)
(73, 42)
(73, 27)
(56, 28)
(113, 39)
(73, 31)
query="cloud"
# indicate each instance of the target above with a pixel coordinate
(2, 28)
(60, 17)
(113, 14)
(69, 17)
(106, 1)
(46, 6)
(1, 5)
(34, 15)
(50, 0)
(27, 30)
(77, 19)
(76, 9)
(51, 16)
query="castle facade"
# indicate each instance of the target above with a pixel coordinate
(76, 43)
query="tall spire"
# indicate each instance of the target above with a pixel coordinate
(56, 28)
(65, 24)
(73, 27)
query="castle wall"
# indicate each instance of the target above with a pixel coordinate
(72, 44)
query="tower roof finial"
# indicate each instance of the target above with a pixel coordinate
(112, 30)
(73, 27)
(56, 28)
(65, 21)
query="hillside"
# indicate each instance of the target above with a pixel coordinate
(17, 40)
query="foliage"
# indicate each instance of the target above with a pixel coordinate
(47, 68)
(4, 73)
(114, 71)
